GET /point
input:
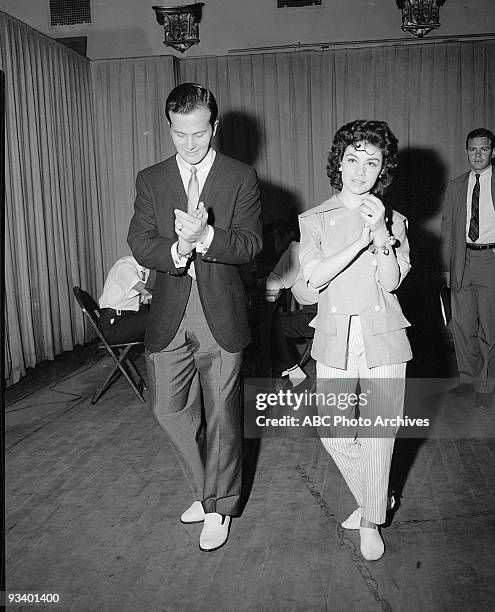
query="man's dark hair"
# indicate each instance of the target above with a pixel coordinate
(481, 133)
(376, 133)
(188, 97)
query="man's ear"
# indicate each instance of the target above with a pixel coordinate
(215, 125)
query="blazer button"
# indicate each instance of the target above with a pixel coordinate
(332, 221)
(375, 263)
(377, 308)
(333, 309)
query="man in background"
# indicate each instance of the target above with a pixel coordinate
(468, 233)
(124, 302)
(292, 326)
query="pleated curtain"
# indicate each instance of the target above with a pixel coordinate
(430, 94)
(131, 134)
(52, 213)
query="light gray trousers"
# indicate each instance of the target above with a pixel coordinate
(473, 321)
(191, 373)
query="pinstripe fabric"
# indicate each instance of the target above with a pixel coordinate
(365, 462)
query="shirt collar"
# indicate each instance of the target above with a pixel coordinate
(483, 173)
(206, 162)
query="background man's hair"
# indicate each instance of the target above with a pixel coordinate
(481, 133)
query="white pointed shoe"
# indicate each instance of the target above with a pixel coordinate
(215, 531)
(372, 546)
(194, 514)
(353, 521)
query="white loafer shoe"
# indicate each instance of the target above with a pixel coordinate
(353, 521)
(215, 531)
(372, 546)
(194, 514)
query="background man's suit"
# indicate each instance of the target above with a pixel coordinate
(472, 281)
(215, 303)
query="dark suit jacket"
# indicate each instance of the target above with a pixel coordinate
(454, 227)
(231, 196)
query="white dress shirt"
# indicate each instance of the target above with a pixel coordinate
(486, 210)
(287, 275)
(118, 292)
(202, 171)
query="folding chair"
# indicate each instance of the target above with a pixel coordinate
(306, 355)
(120, 353)
(287, 304)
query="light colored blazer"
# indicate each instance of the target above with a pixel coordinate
(325, 230)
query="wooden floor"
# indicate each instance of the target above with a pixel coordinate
(94, 494)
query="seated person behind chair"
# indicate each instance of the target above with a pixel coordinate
(124, 302)
(291, 326)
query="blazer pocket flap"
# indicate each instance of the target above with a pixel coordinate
(327, 324)
(392, 322)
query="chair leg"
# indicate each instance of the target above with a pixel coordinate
(119, 365)
(306, 353)
(139, 378)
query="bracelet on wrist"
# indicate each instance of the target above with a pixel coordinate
(381, 249)
(187, 255)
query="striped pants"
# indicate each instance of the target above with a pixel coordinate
(364, 462)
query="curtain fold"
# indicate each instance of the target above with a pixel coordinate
(131, 133)
(431, 95)
(52, 227)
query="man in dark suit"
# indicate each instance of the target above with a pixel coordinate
(468, 233)
(196, 220)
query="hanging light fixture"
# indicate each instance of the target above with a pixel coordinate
(180, 24)
(420, 16)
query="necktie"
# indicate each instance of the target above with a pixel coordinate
(193, 191)
(474, 224)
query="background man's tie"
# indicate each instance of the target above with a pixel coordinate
(474, 224)
(193, 191)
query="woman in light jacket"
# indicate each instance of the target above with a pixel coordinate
(356, 254)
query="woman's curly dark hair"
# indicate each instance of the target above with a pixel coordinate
(376, 133)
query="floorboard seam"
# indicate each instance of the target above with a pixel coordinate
(32, 433)
(362, 568)
(444, 518)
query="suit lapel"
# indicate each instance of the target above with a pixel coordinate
(175, 187)
(174, 184)
(210, 179)
(461, 212)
